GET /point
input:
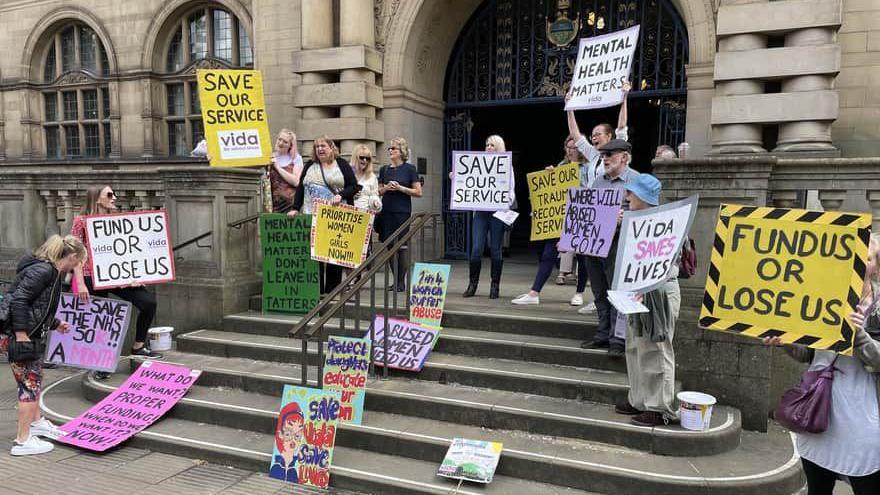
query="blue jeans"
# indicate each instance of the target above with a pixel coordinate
(485, 224)
(547, 260)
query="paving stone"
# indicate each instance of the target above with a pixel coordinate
(155, 467)
(204, 479)
(105, 461)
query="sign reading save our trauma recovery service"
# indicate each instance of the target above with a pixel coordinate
(547, 192)
(603, 64)
(97, 332)
(129, 248)
(341, 234)
(234, 115)
(795, 274)
(428, 293)
(290, 276)
(481, 181)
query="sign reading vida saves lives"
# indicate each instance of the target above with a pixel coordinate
(603, 64)
(547, 192)
(590, 221)
(97, 331)
(290, 276)
(150, 392)
(234, 114)
(409, 344)
(129, 248)
(345, 369)
(787, 273)
(481, 181)
(341, 234)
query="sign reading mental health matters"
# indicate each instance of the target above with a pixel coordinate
(649, 243)
(97, 332)
(234, 114)
(129, 248)
(341, 234)
(471, 460)
(481, 181)
(409, 344)
(547, 192)
(603, 64)
(152, 390)
(305, 434)
(428, 293)
(290, 276)
(590, 221)
(345, 369)
(788, 273)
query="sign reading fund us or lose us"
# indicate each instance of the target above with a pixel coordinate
(603, 63)
(547, 192)
(234, 114)
(795, 274)
(129, 248)
(481, 181)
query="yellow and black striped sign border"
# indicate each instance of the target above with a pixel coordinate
(862, 224)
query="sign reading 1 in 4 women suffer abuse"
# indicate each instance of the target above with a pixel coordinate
(341, 234)
(305, 434)
(290, 276)
(590, 220)
(234, 114)
(428, 293)
(345, 369)
(481, 181)
(603, 64)
(787, 273)
(129, 248)
(547, 192)
(97, 332)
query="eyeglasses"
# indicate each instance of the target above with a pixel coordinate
(365, 158)
(390, 148)
(606, 154)
(111, 195)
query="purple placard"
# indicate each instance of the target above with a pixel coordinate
(97, 331)
(148, 393)
(409, 346)
(590, 220)
(481, 181)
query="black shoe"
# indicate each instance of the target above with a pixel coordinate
(49, 365)
(493, 290)
(595, 344)
(616, 352)
(401, 288)
(101, 375)
(471, 290)
(627, 409)
(146, 352)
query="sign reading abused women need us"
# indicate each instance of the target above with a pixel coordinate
(481, 181)
(341, 234)
(234, 115)
(547, 192)
(290, 276)
(791, 273)
(129, 248)
(97, 332)
(409, 344)
(603, 64)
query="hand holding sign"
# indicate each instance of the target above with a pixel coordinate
(602, 69)
(129, 248)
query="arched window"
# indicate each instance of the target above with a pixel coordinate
(76, 97)
(205, 37)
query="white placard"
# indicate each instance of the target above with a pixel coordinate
(507, 216)
(129, 248)
(603, 63)
(625, 303)
(481, 181)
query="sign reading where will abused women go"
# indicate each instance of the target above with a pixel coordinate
(649, 243)
(547, 193)
(129, 248)
(151, 391)
(341, 234)
(590, 220)
(428, 293)
(234, 114)
(290, 276)
(345, 369)
(409, 344)
(97, 332)
(788, 273)
(603, 64)
(481, 181)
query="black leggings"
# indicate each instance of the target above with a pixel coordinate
(820, 481)
(140, 297)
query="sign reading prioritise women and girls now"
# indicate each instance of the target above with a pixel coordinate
(481, 181)
(341, 234)
(234, 116)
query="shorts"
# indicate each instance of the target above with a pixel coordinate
(28, 375)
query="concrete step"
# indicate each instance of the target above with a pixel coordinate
(476, 407)
(764, 463)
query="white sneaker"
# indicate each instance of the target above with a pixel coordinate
(589, 308)
(526, 299)
(44, 428)
(32, 446)
(577, 299)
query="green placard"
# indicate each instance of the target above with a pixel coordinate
(290, 277)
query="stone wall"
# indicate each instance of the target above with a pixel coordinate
(857, 130)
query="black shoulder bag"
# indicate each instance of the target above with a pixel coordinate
(33, 349)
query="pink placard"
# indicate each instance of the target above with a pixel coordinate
(139, 402)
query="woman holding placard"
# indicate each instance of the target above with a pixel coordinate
(368, 197)
(101, 200)
(284, 171)
(398, 183)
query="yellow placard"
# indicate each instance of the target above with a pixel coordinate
(341, 234)
(547, 193)
(234, 116)
(791, 273)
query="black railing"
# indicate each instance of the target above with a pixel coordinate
(311, 328)
(194, 240)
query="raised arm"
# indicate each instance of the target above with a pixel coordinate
(622, 116)
(573, 129)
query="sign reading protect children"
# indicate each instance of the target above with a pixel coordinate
(234, 115)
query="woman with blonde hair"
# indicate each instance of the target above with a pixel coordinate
(31, 303)
(284, 171)
(398, 183)
(368, 197)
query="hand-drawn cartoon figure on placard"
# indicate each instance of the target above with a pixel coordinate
(288, 436)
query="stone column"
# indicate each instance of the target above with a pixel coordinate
(51, 213)
(832, 200)
(317, 32)
(739, 138)
(356, 27)
(874, 201)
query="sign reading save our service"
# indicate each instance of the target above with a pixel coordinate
(795, 274)
(129, 248)
(547, 192)
(97, 332)
(481, 181)
(341, 234)
(603, 64)
(234, 115)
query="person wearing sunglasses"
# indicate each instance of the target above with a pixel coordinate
(398, 183)
(368, 197)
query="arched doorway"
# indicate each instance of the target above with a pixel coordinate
(512, 64)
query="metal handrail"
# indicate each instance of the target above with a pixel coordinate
(232, 225)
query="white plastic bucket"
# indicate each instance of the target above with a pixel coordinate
(695, 410)
(160, 338)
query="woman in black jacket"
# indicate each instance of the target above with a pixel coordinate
(326, 177)
(33, 299)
